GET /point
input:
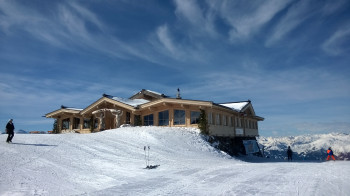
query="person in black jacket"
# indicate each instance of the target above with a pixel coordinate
(10, 131)
(289, 153)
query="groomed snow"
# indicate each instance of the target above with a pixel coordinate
(112, 163)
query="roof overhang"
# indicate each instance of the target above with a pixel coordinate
(61, 111)
(176, 101)
(106, 100)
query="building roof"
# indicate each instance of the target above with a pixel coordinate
(148, 95)
(237, 106)
(132, 102)
(147, 98)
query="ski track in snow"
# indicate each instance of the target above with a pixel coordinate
(112, 163)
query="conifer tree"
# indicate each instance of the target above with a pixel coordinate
(55, 127)
(203, 123)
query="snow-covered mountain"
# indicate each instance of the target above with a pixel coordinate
(113, 162)
(16, 132)
(307, 147)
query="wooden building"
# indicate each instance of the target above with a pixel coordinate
(149, 108)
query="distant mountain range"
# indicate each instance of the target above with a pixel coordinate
(307, 147)
(17, 132)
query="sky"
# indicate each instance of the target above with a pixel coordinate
(290, 58)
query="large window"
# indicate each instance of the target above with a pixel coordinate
(127, 121)
(210, 118)
(224, 120)
(179, 117)
(148, 120)
(217, 120)
(163, 118)
(137, 120)
(76, 122)
(195, 117)
(87, 123)
(96, 123)
(66, 123)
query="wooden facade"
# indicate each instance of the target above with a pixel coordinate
(147, 108)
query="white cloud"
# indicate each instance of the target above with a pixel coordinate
(166, 40)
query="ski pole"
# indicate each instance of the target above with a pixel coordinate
(148, 155)
(144, 148)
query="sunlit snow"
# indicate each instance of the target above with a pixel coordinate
(113, 162)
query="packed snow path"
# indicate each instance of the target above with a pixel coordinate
(112, 163)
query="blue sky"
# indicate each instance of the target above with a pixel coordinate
(290, 58)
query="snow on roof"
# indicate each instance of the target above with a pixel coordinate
(70, 108)
(132, 102)
(77, 109)
(154, 92)
(238, 106)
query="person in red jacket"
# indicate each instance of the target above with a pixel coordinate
(330, 154)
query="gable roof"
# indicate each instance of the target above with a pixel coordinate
(131, 102)
(63, 109)
(148, 95)
(237, 106)
(147, 99)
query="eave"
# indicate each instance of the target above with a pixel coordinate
(107, 100)
(176, 101)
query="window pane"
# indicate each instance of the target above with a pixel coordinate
(195, 117)
(127, 117)
(86, 123)
(66, 123)
(76, 122)
(217, 119)
(163, 118)
(148, 120)
(179, 117)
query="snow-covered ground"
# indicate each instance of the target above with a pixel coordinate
(112, 163)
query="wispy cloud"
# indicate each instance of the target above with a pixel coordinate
(274, 88)
(323, 127)
(296, 15)
(200, 22)
(166, 40)
(70, 26)
(246, 19)
(336, 44)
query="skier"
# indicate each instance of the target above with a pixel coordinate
(330, 154)
(289, 153)
(10, 131)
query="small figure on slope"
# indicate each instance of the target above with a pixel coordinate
(10, 131)
(289, 153)
(330, 154)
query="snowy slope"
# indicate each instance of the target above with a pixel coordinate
(308, 147)
(112, 163)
